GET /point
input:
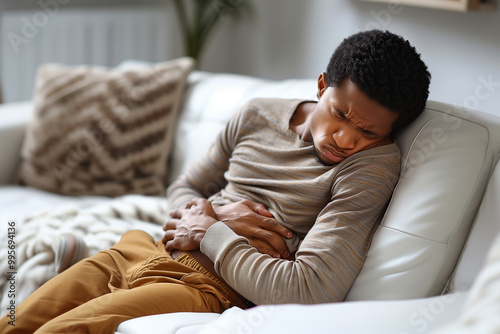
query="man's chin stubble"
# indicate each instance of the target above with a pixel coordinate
(318, 159)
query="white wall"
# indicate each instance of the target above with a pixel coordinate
(97, 32)
(295, 38)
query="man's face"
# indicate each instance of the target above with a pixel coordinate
(346, 121)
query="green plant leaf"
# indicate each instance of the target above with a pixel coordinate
(204, 17)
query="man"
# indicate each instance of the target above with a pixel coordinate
(305, 182)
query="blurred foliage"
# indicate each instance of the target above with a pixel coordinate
(199, 19)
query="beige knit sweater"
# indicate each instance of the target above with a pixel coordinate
(333, 210)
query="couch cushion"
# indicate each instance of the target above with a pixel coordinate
(171, 323)
(374, 317)
(18, 203)
(486, 227)
(447, 156)
(99, 131)
(482, 306)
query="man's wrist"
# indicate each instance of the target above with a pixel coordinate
(217, 238)
(218, 211)
(209, 223)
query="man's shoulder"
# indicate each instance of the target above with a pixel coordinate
(269, 110)
(381, 162)
(389, 152)
(272, 103)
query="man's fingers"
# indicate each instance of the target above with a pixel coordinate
(205, 206)
(273, 225)
(170, 224)
(264, 248)
(257, 207)
(169, 235)
(177, 213)
(199, 201)
(275, 241)
(196, 201)
(171, 245)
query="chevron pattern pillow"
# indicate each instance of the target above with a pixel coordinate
(100, 131)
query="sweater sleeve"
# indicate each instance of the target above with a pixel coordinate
(331, 254)
(205, 176)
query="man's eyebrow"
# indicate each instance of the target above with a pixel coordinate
(372, 132)
(375, 134)
(339, 111)
(366, 129)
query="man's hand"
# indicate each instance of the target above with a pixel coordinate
(253, 221)
(187, 227)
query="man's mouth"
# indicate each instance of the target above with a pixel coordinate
(328, 152)
(333, 155)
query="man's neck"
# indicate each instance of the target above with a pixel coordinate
(299, 122)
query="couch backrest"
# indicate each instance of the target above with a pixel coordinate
(447, 157)
(14, 116)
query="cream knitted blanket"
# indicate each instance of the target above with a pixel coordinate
(99, 226)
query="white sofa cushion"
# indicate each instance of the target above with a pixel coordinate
(482, 306)
(374, 317)
(173, 323)
(18, 203)
(447, 157)
(486, 227)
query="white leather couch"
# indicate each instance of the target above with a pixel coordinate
(424, 259)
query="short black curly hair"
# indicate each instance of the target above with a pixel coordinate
(387, 68)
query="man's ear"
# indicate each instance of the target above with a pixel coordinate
(322, 86)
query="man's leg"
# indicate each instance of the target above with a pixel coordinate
(75, 286)
(136, 277)
(88, 279)
(105, 313)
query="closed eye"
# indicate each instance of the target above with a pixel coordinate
(339, 114)
(369, 134)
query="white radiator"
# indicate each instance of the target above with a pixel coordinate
(100, 36)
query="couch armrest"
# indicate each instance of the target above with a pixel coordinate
(14, 117)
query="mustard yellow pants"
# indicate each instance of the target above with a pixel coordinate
(136, 277)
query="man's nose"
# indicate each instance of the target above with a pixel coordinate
(345, 138)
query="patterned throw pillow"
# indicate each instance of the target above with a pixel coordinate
(99, 131)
